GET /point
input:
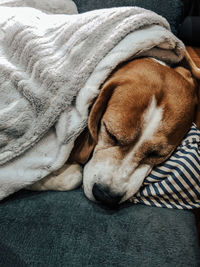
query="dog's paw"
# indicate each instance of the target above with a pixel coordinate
(66, 178)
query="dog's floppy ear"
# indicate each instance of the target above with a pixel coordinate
(99, 107)
(194, 69)
(196, 85)
(196, 73)
(83, 148)
(197, 115)
(186, 74)
(85, 143)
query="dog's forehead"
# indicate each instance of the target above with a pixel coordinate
(138, 120)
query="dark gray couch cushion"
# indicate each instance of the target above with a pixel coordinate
(65, 229)
(172, 10)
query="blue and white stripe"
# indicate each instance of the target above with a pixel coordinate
(176, 182)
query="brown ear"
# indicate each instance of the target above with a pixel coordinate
(196, 73)
(99, 108)
(186, 74)
(197, 115)
(194, 69)
(87, 140)
(196, 84)
(82, 149)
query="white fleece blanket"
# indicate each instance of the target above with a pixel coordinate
(51, 69)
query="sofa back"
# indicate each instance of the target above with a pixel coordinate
(172, 10)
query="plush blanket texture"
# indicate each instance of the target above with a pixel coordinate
(51, 69)
(47, 6)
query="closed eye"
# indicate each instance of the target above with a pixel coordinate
(156, 154)
(153, 154)
(112, 136)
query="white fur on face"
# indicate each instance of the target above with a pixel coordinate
(152, 120)
(123, 176)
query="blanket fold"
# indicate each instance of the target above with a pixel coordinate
(51, 69)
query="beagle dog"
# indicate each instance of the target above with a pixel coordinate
(142, 113)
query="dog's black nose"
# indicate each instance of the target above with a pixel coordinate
(103, 195)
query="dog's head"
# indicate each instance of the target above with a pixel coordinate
(141, 115)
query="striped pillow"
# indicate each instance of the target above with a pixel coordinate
(176, 182)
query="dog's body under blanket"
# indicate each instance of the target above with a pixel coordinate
(51, 69)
